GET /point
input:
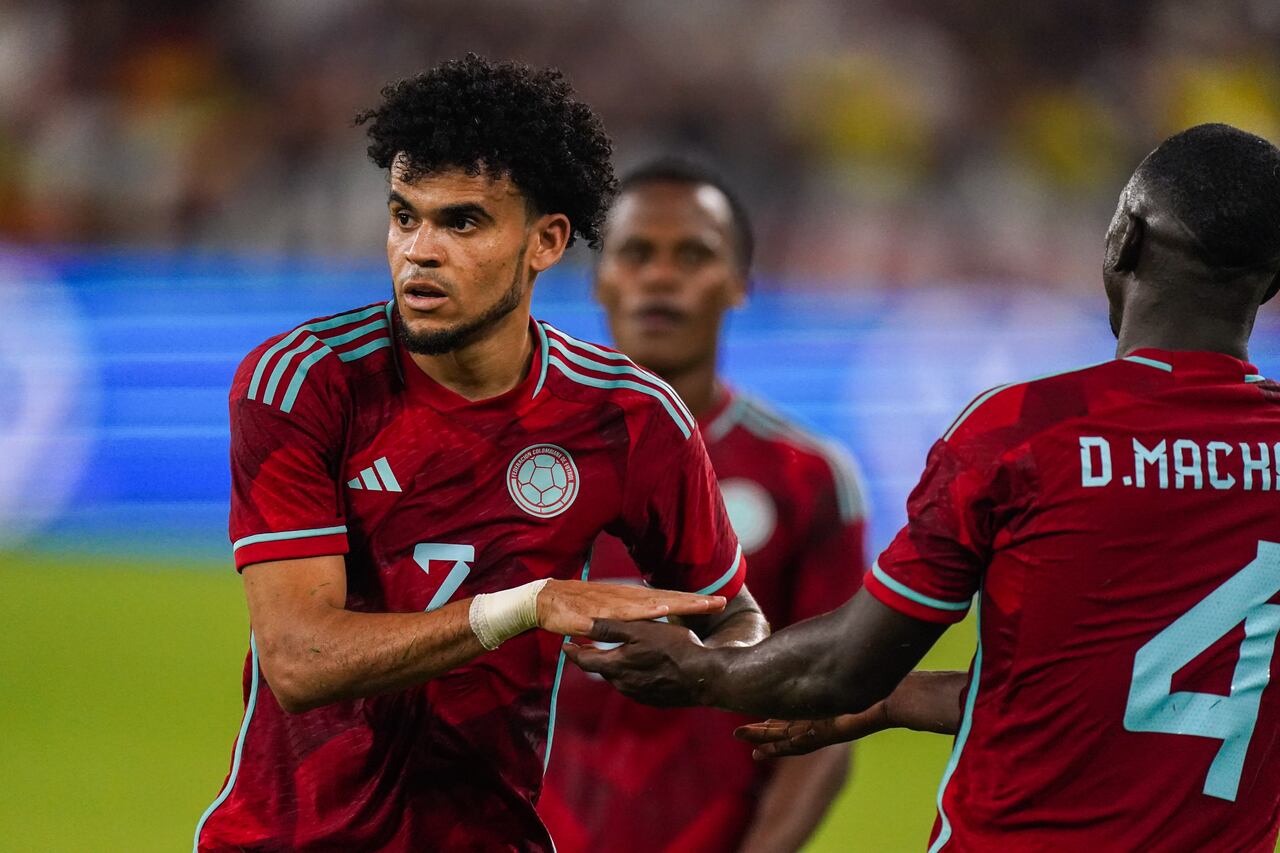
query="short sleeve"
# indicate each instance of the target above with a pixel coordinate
(831, 560)
(935, 564)
(285, 500)
(674, 521)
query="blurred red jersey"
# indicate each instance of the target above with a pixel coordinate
(628, 777)
(341, 445)
(1121, 525)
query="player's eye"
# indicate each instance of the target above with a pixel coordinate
(462, 224)
(402, 218)
(692, 256)
(633, 253)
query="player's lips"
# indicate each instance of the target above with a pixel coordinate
(423, 295)
(658, 318)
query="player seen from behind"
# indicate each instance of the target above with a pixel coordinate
(628, 777)
(1120, 525)
(418, 483)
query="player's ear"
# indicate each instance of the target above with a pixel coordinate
(1130, 232)
(550, 236)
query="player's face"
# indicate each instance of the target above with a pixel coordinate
(668, 273)
(463, 251)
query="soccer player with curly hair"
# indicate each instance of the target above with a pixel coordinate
(416, 486)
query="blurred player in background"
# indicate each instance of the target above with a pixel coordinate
(676, 257)
(417, 484)
(1120, 525)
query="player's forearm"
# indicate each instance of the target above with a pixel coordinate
(344, 654)
(796, 799)
(841, 662)
(927, 702)
(740, 624)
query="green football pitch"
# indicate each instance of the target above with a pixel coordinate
(121, 703)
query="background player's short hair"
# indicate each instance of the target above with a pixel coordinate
(504, 119)
(682, 170)
(1224, 185)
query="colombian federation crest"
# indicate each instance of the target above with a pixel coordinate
(542, 480)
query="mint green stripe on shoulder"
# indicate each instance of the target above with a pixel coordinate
(255, 383)
(718, 583)
(357, 332)
(286, 535)
(596, 382)
(282, 366)
(367, 349)
(344, 319)
(919, 598)
(295, 385)
(592, 348)
(1254, 377)
(266, 358)
(945, 830)
(624, 369)
(1150, 362)
(623, 365)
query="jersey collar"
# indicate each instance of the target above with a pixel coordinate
(723, 415)
(1196, 365)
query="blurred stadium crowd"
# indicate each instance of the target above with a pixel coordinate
(887, 142)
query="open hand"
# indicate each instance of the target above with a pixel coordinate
(572, 607)
(656, 663)
(778, 738)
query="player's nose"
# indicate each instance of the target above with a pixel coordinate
(425, 249)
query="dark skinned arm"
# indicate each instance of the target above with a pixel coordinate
(923, 702)
(740, 624)
(841, 662)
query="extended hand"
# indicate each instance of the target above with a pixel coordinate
(778, 738)
(572, 607)
(653, 665)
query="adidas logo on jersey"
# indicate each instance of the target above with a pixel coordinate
(376, 478)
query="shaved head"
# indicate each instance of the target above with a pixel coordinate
(1194, 246)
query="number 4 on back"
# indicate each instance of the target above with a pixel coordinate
(1153, 707)
(461, 555)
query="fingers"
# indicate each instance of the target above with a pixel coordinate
(588, 659)
(766, 732)
(610, 631)
(637, 605)
(688, 604)
(780, 738)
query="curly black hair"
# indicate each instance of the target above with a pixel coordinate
(502, 119)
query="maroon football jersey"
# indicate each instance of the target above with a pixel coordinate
(341, 445)
(628, 777)
(1121, 527)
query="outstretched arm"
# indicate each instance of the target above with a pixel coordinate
(314, 651)
(923, 702)
(841, 662)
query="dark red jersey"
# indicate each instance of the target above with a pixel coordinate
(628, 777)
(1121, 527)
(341, 445)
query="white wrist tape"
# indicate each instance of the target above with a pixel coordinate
(499, 616)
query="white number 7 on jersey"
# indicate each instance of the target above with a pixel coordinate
(425, 552)
(1153, 707)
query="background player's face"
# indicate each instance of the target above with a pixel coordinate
(463, 251)
(668, 272)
